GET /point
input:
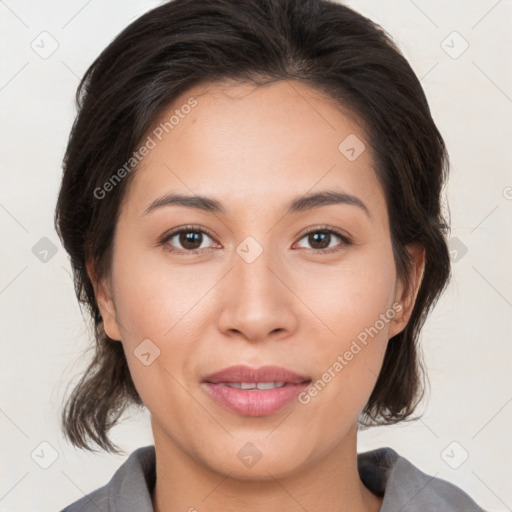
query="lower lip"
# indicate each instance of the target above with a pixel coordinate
(254, 402)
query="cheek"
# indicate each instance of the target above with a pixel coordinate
(152, 298)
(353, 309)
(155, 313)
(350, 296)
(152, 308)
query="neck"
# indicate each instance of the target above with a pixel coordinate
(330, 484)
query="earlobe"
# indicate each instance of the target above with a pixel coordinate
(105, 305)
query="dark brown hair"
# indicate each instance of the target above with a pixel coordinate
(181, 43)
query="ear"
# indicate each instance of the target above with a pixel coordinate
(406, 293)
(106, 304)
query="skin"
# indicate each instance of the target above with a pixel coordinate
(255, 149)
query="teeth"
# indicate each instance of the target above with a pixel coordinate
(269, 385)
(254, 385)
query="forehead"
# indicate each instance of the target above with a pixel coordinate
(258, 146)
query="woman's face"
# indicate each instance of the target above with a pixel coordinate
(248, 283)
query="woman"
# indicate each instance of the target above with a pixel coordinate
(251, 203)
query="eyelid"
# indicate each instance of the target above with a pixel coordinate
(326, 227)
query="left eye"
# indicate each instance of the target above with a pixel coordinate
(191, 239)
(323, 237)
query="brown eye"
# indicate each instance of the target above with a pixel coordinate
(190, 239)
(186, 240)
(320, 240)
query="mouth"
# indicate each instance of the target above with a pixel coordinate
(256, 386)
(255, 392)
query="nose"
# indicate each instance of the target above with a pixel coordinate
(257, 299)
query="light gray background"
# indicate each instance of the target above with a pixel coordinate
(467, 339)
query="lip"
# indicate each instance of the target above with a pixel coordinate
(242, 373)
(255, 402)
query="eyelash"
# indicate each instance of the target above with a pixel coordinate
(186, 229)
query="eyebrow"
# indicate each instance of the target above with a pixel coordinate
(301, 204)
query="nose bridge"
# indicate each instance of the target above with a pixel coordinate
(258, 302)
(253, 261)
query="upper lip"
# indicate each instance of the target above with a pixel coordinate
(242, 373)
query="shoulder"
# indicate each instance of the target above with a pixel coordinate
(96, 501)
(128, 490)
(405, 487)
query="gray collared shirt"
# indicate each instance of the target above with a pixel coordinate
(405, 488)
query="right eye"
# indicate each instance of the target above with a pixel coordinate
(189, 237)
